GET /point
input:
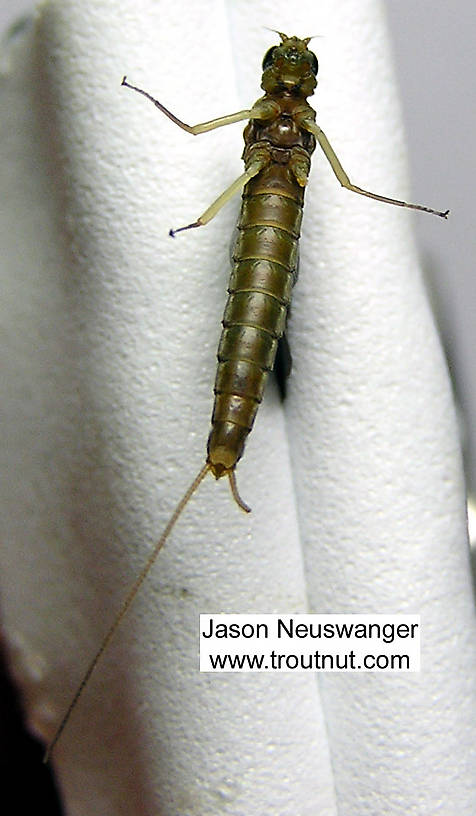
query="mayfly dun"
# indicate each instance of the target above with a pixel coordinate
(280, 138)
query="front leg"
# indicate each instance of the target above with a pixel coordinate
(261, 110)
(343, 178)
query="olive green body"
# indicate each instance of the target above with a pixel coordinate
(265, 259)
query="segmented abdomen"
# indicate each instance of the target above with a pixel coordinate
(265, 258)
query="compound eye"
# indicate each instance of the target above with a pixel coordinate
(314, 63)
(268, 58)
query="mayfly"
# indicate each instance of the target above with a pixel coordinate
(280, 138)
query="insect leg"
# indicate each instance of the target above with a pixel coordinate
(203, 127)
(253, 170)
(345, 181)
(262, 109)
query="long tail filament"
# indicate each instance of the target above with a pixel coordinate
(129, 599)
